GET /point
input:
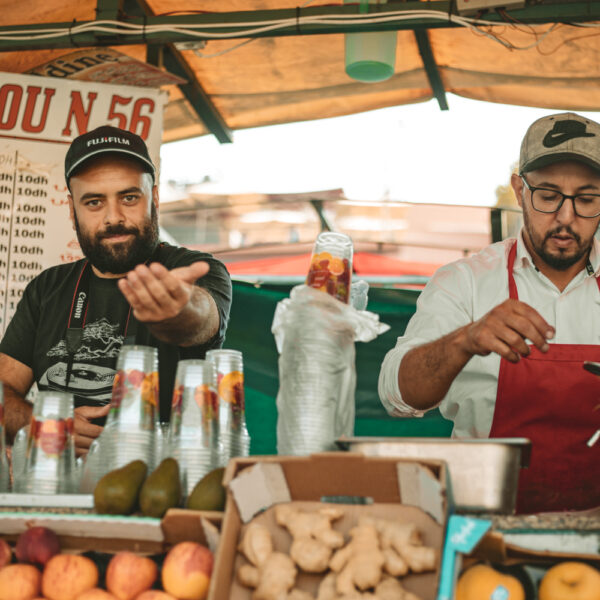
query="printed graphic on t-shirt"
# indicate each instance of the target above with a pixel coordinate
(90, 375)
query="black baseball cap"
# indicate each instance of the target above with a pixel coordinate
(107, 139)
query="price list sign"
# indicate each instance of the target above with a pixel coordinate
(39, 117)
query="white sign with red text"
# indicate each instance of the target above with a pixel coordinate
(39, 116)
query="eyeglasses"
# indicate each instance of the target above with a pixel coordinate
(551, 201)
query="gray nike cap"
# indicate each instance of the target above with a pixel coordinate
(560, 137)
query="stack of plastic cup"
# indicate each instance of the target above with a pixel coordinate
(50, 459)
(4, 468)
(233, 435)
(129, 433)
(314, 403)
(331, 265)
(194, 430)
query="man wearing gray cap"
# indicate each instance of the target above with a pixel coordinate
(499, 339)
(74, 318)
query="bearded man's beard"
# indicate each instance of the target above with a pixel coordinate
(122, 257)
(561, 260)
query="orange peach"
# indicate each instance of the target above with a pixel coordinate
(5, 554)
(67, 576)
(128, 575)
(96, 594)
(186, 571)
(155, 595)
(19, 582)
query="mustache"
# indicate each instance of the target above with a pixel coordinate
(563, 230)
(117, 230)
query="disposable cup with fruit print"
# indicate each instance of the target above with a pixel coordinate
(331, 265)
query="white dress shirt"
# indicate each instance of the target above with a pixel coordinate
(464, 291)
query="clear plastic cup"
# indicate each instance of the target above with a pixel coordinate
(50, 457)
(233, 434)
(4, 466)
(331, 265)
(131, 426)
(194, 429)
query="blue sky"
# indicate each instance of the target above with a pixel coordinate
(413, 153)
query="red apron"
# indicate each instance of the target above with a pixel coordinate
(550, 399)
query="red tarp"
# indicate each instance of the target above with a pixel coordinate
(364, 263)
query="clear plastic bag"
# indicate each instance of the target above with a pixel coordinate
(315, 335)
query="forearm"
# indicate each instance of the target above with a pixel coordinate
(17, 412)
(426, 372)
(195, 324)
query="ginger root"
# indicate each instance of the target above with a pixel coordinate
(391, 589)
(359, 564)
(257, 544)
(402, 547)
(314, 539)
(276, 576)
(272, 574)
(297, 594)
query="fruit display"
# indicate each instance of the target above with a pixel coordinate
(128, 575)
(125, 490)
(161, 490)
(330, 274)
(67, 576)
(482, 582)
(187, 570)
(209, 492)
(570, 580)
(183, 573)
(117, 492)
(36, 546)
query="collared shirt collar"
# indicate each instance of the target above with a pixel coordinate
(523, 258)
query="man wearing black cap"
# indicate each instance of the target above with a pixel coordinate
(499, 339)
(73, 319)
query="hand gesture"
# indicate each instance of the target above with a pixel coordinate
(505, 329)
(157, 294)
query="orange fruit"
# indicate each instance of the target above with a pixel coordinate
(336, 266)
(228, 383)
(321, 256)
(481, 582)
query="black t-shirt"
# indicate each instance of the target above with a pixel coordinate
(35, 335)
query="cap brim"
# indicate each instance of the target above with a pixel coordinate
(130, 154)
(549, 159)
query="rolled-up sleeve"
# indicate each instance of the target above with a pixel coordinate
(444, 305)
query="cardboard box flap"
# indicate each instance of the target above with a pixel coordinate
(494, 548)
(419, 487)
(259, 487)
(335, 473)
(184, 525)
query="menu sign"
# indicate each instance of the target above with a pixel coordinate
(38, 119)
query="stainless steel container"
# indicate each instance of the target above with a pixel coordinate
(484, 473)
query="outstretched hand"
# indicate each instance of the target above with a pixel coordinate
(505, 329)
(157, 294)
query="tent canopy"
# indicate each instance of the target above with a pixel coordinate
(542, 54)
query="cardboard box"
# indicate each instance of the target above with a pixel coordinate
(470, 540)
(387, 487)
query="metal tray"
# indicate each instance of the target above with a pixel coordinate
(484, 473)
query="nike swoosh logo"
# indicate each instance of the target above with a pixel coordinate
(551, 140)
